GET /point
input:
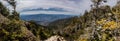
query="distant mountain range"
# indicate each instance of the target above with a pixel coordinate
(44, 19)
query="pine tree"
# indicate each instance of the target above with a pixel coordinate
(13, 4)
(96, 3)
(3, 10)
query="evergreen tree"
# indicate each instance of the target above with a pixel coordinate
(13, 4)
(3, 10)
(96, 3)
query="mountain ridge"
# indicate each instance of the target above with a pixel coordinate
(44, 19)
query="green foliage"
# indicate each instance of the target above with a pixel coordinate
(101, 23)
(90, 26)
(3, 10)
(11, 31)
(39, 31)
(12, 3)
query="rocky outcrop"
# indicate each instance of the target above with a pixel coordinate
(3, 19)
(56, 38)
(28, 35)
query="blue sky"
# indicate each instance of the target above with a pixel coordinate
(68, 7)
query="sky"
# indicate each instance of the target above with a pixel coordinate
(67, 7)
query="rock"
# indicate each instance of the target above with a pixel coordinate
(117, 38)
(3, 19)
(56, 38)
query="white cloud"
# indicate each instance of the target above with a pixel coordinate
(47, 12)
(73, 6)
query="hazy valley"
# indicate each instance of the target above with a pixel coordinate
(45, 19)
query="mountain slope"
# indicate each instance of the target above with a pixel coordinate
(61, 23)
(12, 28)
(44, 19)
(99, 24)
(3, 19)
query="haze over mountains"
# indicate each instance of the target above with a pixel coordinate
(44, 19)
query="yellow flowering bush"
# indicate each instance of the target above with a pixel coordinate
(102, 21)
(107, 24)
(110, 25)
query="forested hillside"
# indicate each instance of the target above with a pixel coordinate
(14, 29)
(101, 23)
